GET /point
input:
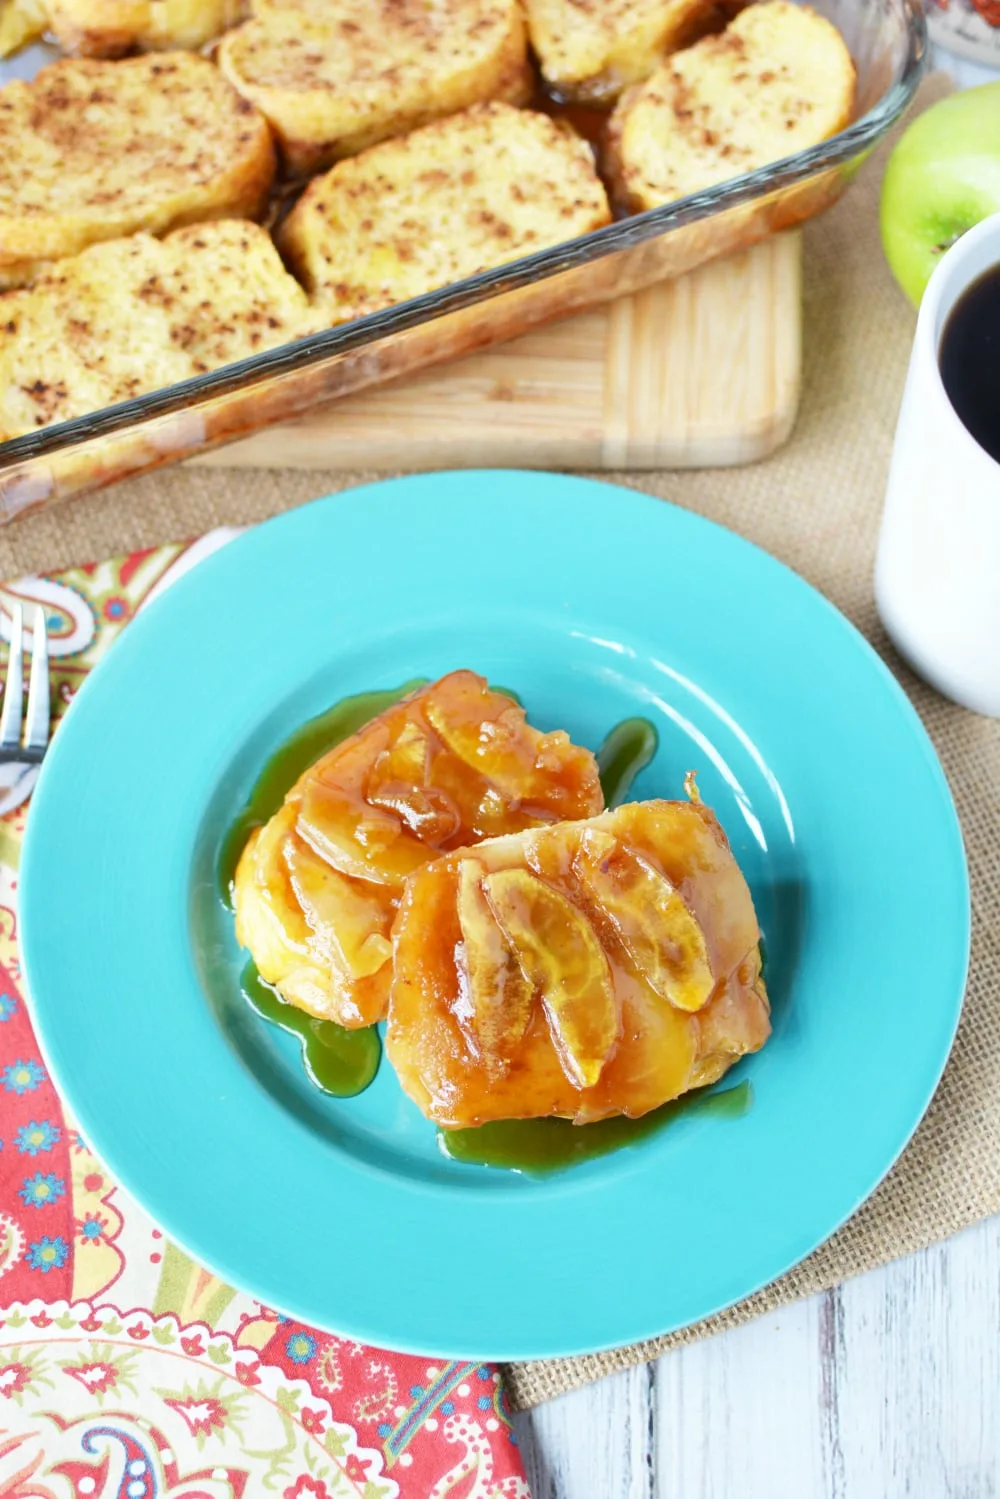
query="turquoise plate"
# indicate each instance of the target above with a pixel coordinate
(594, 603)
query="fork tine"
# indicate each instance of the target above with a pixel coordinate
(13, 693)
(37, 723)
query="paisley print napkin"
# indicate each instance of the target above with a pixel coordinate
(127, 1371)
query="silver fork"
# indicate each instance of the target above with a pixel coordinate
(23, 744)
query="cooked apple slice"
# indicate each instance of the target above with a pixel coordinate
(489, 732)
(267, 916)
(656, 928)
(338, 822)
(400, 782)
(270, 923)
(495, 1001)
(361, 840)
(348, 925)
(408, 758)
(558, 950)
(486, 811)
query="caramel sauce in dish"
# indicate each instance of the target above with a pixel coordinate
(340, 1062)
(539, 1147)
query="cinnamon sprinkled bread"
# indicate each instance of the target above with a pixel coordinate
(93, 150)
(108, 28)
(336, 76)
(456, 197)
(589, 50)
(133, 315)
(777, 80)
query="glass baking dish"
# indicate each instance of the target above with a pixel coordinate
(887, 40)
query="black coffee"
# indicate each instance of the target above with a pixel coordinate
(970, 360)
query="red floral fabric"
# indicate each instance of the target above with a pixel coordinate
(127, 1370)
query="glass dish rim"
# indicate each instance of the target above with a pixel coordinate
(622, 234)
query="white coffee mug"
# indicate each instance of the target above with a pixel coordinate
(937, 577)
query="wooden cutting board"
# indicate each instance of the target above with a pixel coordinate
(692, 373)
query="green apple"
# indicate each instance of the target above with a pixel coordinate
(943, 176)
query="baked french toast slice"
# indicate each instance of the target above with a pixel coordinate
(109, 28)
(589, 52)
(456, 197)
(334, 78)
(93, 150)
(778, 79)
(133, 315)
(589, 968)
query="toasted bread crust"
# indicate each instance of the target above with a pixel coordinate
(778, 80)
(134, 315)
(93, 150)
(336, 78)
(442, 203)
(590, 50)
(110, 28)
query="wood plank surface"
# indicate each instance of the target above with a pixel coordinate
(691, 373)
(885, 1388)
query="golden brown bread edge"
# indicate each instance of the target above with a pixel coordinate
(589, 56)
(139, 313)
(319, 124)
(368, 233)
(45, 123)
(672, 99)
(113, 28)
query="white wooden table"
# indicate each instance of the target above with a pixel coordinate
(886, 1388)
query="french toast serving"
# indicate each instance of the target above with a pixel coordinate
(537, 956)
(95, 150)
(593, 968)
(335, 76)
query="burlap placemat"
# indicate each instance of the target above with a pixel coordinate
(816, 506)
